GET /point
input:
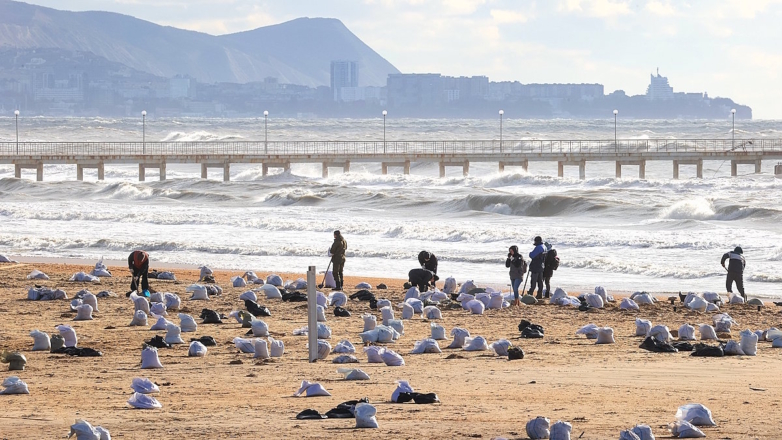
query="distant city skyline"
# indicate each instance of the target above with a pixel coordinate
(719, 47)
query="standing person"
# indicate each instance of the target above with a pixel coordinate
(517, 267)
(138, 263)
(337, 251)
(537, 256)
(428, 261)
(549, 266)
(735, 270)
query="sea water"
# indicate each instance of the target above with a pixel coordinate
(656, 234)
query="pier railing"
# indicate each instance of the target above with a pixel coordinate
(378, 148)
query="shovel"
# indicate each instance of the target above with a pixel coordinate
(320, 286)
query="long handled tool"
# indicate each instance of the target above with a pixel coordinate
(323, 283)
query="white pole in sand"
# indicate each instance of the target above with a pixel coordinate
(144, 131)
(312, 314)
(16, 115)
(616, 112)
(265, 132)
(733, 131)
(384, 131)
(502, 112)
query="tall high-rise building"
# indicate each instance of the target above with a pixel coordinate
(343, 74)
(659, 89)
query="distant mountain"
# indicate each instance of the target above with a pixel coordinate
(296, 52)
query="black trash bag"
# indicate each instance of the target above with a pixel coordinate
(515, 353)
(683, 346)
(345, 410)
(158, 342)
(78, 351)
(525, 324)
(339, 311)
(255, 309)
(654, 345)
(532, 332)
(476, 290)
(211, 317)
(208, 341)
(373, 303)
(425, 398)
(309, 414)
(208, 279)
(407, 285)
(707, 350)
(363, 295)
(584, 307)
(382, 286)
(294, 297)
(404, 397)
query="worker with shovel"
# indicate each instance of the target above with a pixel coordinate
(337, 252)
(138, 263)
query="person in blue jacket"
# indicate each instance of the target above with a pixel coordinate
(538, 256)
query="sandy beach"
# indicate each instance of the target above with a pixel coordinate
(599, 389)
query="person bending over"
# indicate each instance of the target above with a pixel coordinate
(428, 261)
(138, 263)
(421, 278)
(735, 270)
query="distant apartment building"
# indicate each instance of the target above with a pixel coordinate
(181, 87)
(46, 86)
(415, 90)
(659, 89)
(369, 94)
(553, 93)
(465, 88)
(343, 74)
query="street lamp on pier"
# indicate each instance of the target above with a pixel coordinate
(266, 132)
(16, 115)
(733, 130)
(144, 131)
(616, 112)
(384, 131)
(502, 112)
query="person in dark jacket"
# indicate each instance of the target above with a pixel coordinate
(337, 252)
(517, 267)
(537, 256)
(548, 267)
(421, 278)
(735, 270)
(138, 263)
(428, 261)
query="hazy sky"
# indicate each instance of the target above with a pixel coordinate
(726, 48)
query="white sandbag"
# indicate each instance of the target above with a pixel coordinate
(374, 354)
(733, 348)
(685, 430)
(353, 374)
(75, 303)
(320, 313)
(476, 307)
(382, 334)
(83, 313)
(408, 312)
(41, 341)
(438, 331)
(605, 335)
(712, 297)
(143, 401)
(260, 328)
(707, 332)
(398, 325)
(249, 295)
(101, 270)
(538, 428)
(158, 309)
(261, 349)
(644, 432)
(37, 275)
(477, 343)
(346, 359)
(661, 333)
(321, 299)
(590, 331)
(460, 335)
(172, 300)
(594, 300)
(144, 386)
(324, 332)
(365, 416)
(276, 347)
(166, 275)
(149, 358)
(642, 298)
(628, 304)
(311, 389)
(642, 327)
(427, 345)
(698, 304)
(484, 298)
(496, 301)
(83, 430)
(338, 299)
(383, 302)
(736, 299)
(413, 292)
(187, 323)
(173, 334)
(560, 431)
(722, 322)
(402, 386)
(450, 285)
(196, 349)
(14, 385)
(344, 347)
(84, 278)
(432, 312)
(271, 292)
(772, 334)
(139, 319)
(244, 345)
(438, 295)
(91, 300)
(205, 272)
(299, 284)
(749, 342)
(140, 303)
(696, 414)
(198, 291)
(328, 280)
(558, 293)
(418, 305)
(711, 307)
(761, 335)
(686, 332)
(501, 347)
(387, 313)
(274, 280)
(628, 435)
(776, 343)
(161, 324)
(238, 282)
(324, 348)
(369, 322)
(601, 291)
(68, 335)
(363, 285)
(392, 359)
(690, 296)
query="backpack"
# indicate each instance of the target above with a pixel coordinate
(552, 260)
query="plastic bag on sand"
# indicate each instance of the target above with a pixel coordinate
(661, 333)
(276, 347)
(320, 314)
(324, 348)
(196, 349)
(172, 300)
(594, 300)
(41, 341)
(144, 386)
(353, 374)
(749, 342)
(149, 358)
(369, 322)
(402, 386)
(733, 348)
(538, 428)
(392, 359)
(707, 332)
(365, 416)
(139, 319)
(696, 414)
(590, 331)
(475, 307)
(685, 430)
(427, 345)
(173, 334)
(143, 401)
(187, 323)
(560, 431)
(158, 309)
(628, 435)
(374, 354)
(261, 349)
(642, 327)
(450, 285)
(199, 292)
(432, 312)
(68, 334)
(628, 304)
(37, 275)
(698, 304)
(686, 333)
(501, 347)
(477, 343)
(249, 295)
(311, 389)
(459, 336)
(644, 432)
(14, 385)
(244, 345)
(605, 335)
(344, 346)
(438, 331)
(271, 292)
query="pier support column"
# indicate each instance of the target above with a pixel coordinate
(642, 169)
(101, 171)
(384, 168)
(466, 168)
(675, 169)
(407, 167)
(501, 167)
(141, 172)
(17, 171)
(560, 169)
(346, 167)
(734, 171)
(39, 172)
(265, 170)
(79, 172)
(226, 172)
(758, 163)
(325, 170)
(619, 170)
(442, 169)
(205, 172)
(699, 169)
(582, 170)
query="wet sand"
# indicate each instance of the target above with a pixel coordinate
(600, 389)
